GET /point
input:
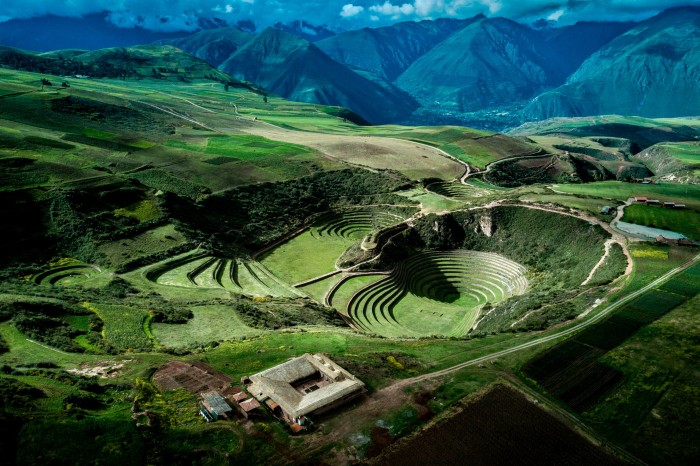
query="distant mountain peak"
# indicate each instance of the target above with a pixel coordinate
(308, 31)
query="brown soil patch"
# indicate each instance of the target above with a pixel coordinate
(500, 427)
(104, 369)
(194, 377)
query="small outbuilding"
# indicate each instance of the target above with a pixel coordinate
(215, 405)
(248, 407)
(641, 199)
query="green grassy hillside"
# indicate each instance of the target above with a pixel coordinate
(152, 219)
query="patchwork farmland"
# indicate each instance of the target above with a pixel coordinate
(208, 224)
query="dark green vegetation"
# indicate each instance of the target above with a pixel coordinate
(260, 214)
(595, 374)
(158, 62)
(154, 221)
(558, 258)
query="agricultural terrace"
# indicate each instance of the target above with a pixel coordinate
(436, 294)
(67, 274)
(461, 191)
(196, 270)
(163, 196)
(316, 251)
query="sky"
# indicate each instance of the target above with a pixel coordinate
(175, 15)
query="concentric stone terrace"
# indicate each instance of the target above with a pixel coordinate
(440, 293)
(459, 191)
(66, 274)
(202, 271)
(354, 224)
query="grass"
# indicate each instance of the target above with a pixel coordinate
(142, 211)
(687, 153)
(658, 393)
(586, 204)
(306, 256)
(342, 296)
(22, 351)
(431, 202)
(150, 242)
(245, 146)
(246, 357)
(651, 261)
(210, 323)
(123, 326)
(319, 289)
(680, 193)
(684, 221)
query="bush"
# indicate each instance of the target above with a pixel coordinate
(171, 315)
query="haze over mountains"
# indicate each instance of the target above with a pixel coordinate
(485, 72)
(651, 70)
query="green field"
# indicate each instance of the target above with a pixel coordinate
(684, 221)
(348, 288)
(319, 289)
(431, 202)
(657, 392)
(210, 323)
(680, 193)
(131, 202)
(306, 256)
(123, 326)
(687, 153)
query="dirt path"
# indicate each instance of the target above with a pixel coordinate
(540, 154)
(617, 236)
(177, 115)
(606, 253)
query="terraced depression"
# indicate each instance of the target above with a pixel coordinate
(66, 275)
(202, 271)
(317, 250)
(159, 210)
(436, 293)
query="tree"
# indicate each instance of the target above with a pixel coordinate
(265, 98)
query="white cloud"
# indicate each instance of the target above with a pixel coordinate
(172, 14)
(349, 10)
(395, 11)
(428, 7)
(494, 5)
(556, 15)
